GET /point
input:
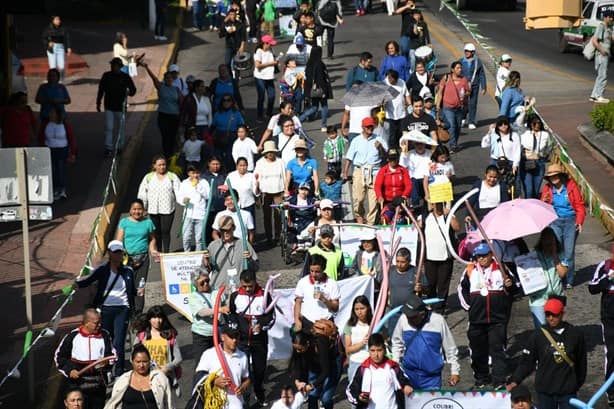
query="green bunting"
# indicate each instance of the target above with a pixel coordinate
(27, 342)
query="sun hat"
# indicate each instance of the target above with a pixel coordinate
(300, 144)
(554, 169)
(269, 146)
(268, 39)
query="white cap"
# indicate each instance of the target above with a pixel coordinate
(115, 245)
(469, 47)
(368, 235)
(506, 57)
(326, 204)
(173, 68)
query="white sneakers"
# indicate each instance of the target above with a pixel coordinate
(471, 126)
(599, 100)
(161, 38)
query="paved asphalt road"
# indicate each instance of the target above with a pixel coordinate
(200, 55)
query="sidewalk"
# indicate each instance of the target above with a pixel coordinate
(59, 246)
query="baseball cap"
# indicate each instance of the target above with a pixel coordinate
(115, 245)
(520, 392)
(231, 328)
(368, 121)
(427, 96)
(299, 39)
(173, 68)
(482, 249)
(506, 57)
(414, 306)
(469, 47)
(117, 61)
(608, 13)
(326, 204)
(327, 230)
(305, 185)
(393, 153)
(554, 306)
(267, 39)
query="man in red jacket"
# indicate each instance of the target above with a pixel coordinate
(392, 180)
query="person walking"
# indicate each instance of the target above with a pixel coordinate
(52, 93)
(363, 72)
(452, 98)
(265, 65)
(318, 88)
(602, 41)
(270, 175)
(473, 70)
(557, 353)
(394, 61)
(514, 103)
(330, 15)
(396, 109)
(503, 72)
(57, 41)
(115, 87)
(536, 144)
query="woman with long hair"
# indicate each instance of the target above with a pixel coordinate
(57, 41)
(318, 89)
(159, 336)
(514, 103)
(264, 75)
(120, 49)
(244, 183)
(505, 150)
(196, 110)
(394, 61)
(535, 143)
(356, 334)
(452, 95)
(224, 127)
(159, 190)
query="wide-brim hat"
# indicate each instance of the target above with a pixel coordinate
(554, 169)
(300, 144)
(269, 146)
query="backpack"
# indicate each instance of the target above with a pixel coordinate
(171, 343)
(328, 13)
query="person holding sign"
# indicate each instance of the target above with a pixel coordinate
(557, 354)
(225, 257)
(487, 294)
(438, 176)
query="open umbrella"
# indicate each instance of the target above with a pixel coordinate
(369, 94)
(518, 218)
(417, 136)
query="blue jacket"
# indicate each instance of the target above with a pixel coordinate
(332, 191)
(394, 62)
(510, 99)
(468, 67)
(101, 275)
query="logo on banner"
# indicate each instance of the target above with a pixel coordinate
(185, 288)
(442, 403)
(173, 289)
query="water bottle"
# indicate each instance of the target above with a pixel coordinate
(232, 283)
(141, 283)
(255, 329)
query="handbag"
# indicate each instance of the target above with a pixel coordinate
(317, 92)
(443, 136)
(531, 164)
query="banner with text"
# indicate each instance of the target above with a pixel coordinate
(280, 346)
(350, 239)
(458, 400)
(177, 285)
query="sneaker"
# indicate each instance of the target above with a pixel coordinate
(323, 129)
(568, 286)
(358, 12)
(262, 402)
(210, 28)
(602, 100)
(363, 12)
(463, 122)
(472, 126)
(163, 38)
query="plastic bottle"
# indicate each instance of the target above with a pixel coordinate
(141, 283)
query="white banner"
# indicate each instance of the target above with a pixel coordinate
(177, 285)
(350, 240)
(280, 346)
(458, 400)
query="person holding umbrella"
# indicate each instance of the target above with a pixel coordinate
(565, 196)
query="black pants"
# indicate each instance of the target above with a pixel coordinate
(608, 340)
(330, 37)
(493, 335)
(168, 124)
(395, 132)
(140, 265)
(439, 274)
(256, 352)
(163, 224)
(200, 344)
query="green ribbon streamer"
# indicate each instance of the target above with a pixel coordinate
(238, 210)
(26, 343)
(68, 289)
(203, 235)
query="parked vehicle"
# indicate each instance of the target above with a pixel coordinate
(573, 39)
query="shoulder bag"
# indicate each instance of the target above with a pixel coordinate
(531, 164)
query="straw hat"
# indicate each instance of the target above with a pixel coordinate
(226, 224)
(300, 144)
(554, 169)
(269, 146)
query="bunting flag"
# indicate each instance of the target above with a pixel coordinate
(26, 343)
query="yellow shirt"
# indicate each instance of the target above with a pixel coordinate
(158, 349)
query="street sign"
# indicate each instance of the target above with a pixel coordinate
(40, 182)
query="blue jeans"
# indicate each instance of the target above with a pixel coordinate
(417, 191)
(326, 392)
(58, 168)
(404, 44)
(532, 179)
(539, 316)
(547, 401)
(565, 230)
(473, 105)
(110, 119)
(115, 320)
(453, 117)
(198, 14)
(361, 4)
(313, 109)
(269, 87)
(192, 233)
(57, 58)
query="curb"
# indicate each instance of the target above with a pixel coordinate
(107, 226)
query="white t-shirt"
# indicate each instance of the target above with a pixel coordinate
(55, 135)
(245, 185)
(357, 114)
(313, 309)
(245, 215)
(357, 335)
(417, 163)
(438, 173)
(264, 57)
(287, 149)
(198, 195)
(502, 75)
(436, 247)
(245, 148)
(192, 149)
(396, 108)
(490, 197)
(203, 111)
(271, 175)
(239, 369)
(299, 398)
(118, 296)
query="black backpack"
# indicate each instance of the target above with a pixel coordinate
(328, 13)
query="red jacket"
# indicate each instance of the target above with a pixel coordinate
(17, 126)
(573, 195)
(389, 184)
(69, 135)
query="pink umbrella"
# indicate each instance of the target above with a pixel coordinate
(518, 218)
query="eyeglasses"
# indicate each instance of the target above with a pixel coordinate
(205, 281)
